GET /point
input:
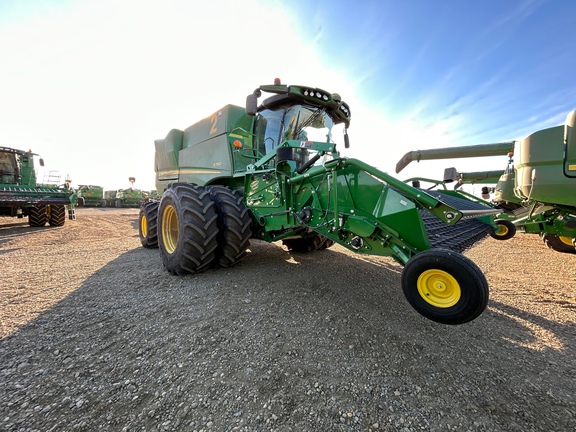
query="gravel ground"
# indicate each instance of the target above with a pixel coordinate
(96, 335)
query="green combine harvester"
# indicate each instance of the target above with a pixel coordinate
(537, 194)
(22, 196)
(90, 196)
(272, 172)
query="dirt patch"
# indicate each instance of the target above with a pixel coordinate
(98, 336)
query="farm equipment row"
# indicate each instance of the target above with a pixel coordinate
(272, 172)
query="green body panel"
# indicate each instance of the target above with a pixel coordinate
(539, 162)
(205, 152)
(19, 188)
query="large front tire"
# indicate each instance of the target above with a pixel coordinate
(233, 224)
(559, 243)
(445, 286)
(57, 215)
(188, 228)
(148, 224)
(37, 216)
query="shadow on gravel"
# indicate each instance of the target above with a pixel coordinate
(321, 341)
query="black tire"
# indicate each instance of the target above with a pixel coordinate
(81, 202)
(445, 286)
(308, 244)
(57, 215)
(506, 230)
(37, 216)
(148, 224)
(187, 228)
(559, 244)
(103, 203)
(233, 224)
(118, 203)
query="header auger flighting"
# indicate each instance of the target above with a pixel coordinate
(272, 172)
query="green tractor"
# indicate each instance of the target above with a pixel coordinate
(272, 172)
(22, 195)
(537, 194)
(90, 196)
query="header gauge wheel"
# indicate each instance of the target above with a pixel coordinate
(445, 286)
(504, 230)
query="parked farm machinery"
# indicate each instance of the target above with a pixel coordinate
(90, 196)
(537, 193)
(21, 195)
(272, 172)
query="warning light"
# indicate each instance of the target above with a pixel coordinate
(510, 154)
(277, 81)
(237, 144)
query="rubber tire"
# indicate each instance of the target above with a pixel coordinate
(81, 202)
(57, 215)
(555, 243)
(233, 224)
(148, 224)
(509, 230)
(37, 216)
(118, 203)
(308, 244)
(472, 282)
(189, 210)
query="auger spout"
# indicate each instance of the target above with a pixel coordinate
(495, 149)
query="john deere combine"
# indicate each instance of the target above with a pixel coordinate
(90, 196)
(21, 195)
(272, 172)
(537, 193)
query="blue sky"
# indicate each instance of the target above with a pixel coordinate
(90, 84)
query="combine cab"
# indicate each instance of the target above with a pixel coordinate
(272, 172)
(536, 192)
(22, 196)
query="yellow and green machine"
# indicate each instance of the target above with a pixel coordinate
(272, 171)
(535, 193)
(21, 195)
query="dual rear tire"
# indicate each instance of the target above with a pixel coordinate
(196, 227)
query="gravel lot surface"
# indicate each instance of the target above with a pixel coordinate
(96, 335)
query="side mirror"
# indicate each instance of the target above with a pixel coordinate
(41, 162)
(252, 102)
(450, 175)
(251, 105)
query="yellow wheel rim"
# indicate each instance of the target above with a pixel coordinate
(439, 288)
(566, 240)
(144, 226)
(170, 229)
(502, 230)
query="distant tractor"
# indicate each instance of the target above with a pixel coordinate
(272, 172)
(21, 195)
(90, 196)
(536, 192)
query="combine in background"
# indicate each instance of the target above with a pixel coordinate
(537, 194)
(21, 195)
(90, 196)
